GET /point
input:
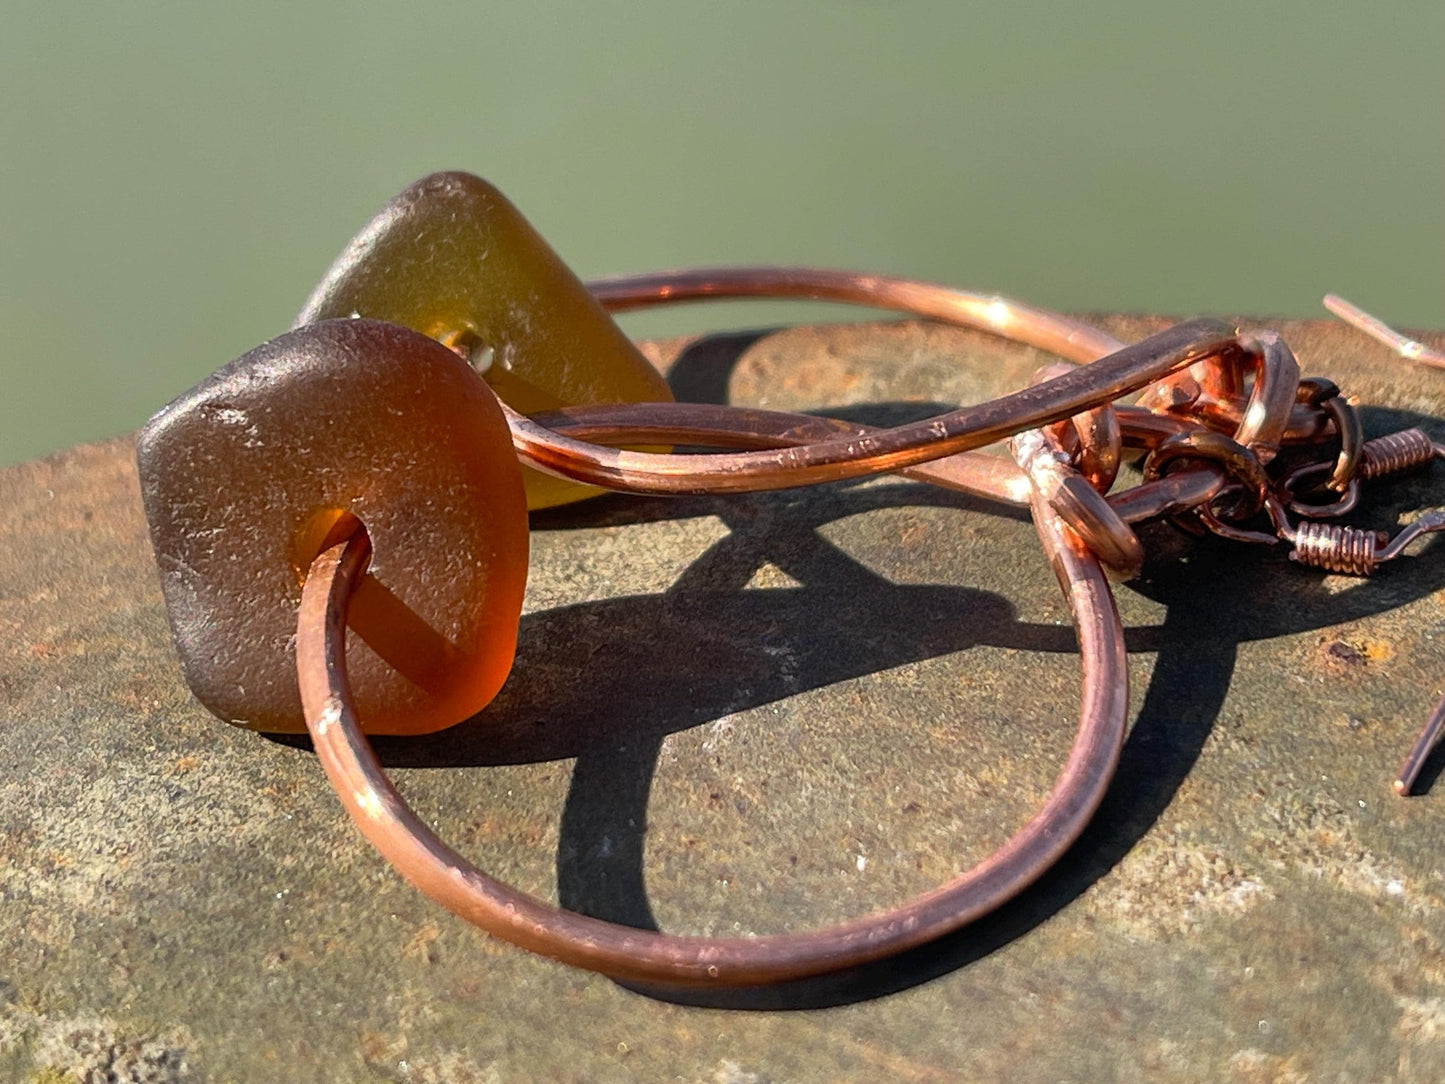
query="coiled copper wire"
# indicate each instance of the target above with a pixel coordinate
(1335, 548)
(1396, 453)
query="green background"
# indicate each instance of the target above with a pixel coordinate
(174, 177)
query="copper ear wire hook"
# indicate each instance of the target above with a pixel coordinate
(1380, 457)
(1332, 547)
(1352, 551)
(628, 953)
(1414, 454)
(1414, 762)
(1408, 348)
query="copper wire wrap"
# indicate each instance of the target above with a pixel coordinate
(1350, 551)
(642, 955)
(1395, 453)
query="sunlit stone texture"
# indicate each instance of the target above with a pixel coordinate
(451, 257)
(245, 476)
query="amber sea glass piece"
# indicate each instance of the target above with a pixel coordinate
(451, 257)
(249, 475)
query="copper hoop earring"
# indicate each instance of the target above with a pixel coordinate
(328, 705)
(624, 952)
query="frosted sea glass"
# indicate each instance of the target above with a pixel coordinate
(244, 476)
(451, 257)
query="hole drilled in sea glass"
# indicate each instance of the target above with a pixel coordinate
(325, 528)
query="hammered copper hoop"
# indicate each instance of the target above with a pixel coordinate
(628, 953)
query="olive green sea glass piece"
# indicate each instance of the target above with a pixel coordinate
(248, 476)
(451, 257)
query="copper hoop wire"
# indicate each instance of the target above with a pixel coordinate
(983, 475)
(641, 955)
(1115, 370)
(859, 449)
(1058, 334)
(980, 475)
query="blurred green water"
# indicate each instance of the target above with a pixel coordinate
(174, 177)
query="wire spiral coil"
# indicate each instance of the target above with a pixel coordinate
(1351, 551)
(1395, 453)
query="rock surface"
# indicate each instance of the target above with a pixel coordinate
(752, 714)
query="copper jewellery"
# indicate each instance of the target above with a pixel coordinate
(370, 474)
